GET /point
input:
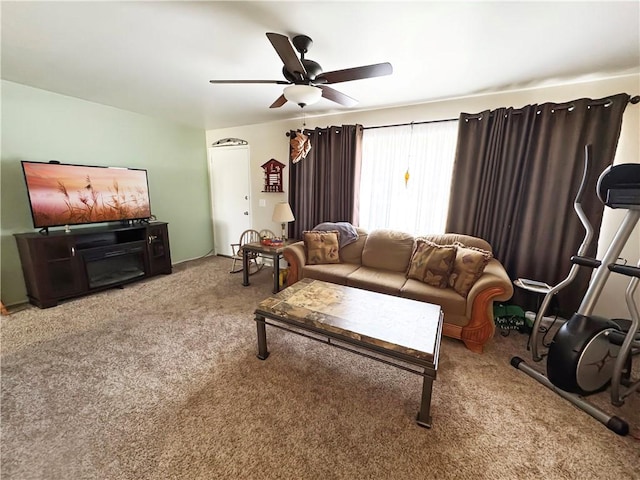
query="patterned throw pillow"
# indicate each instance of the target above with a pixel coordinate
(467, 268)
(432, 263)
(321, 247)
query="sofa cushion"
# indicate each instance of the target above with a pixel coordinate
(333, 273)
(453, 238)
(381, 281)
(388, 250)
(450, 301)
(431, 263)
(468, 267)
(321, 247)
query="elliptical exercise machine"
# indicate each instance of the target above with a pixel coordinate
(589, 352)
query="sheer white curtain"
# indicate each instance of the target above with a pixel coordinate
(418, 206)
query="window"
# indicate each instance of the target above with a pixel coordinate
(419, 205)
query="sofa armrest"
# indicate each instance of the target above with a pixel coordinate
(494, 276)
(494, 284)
(296, 257)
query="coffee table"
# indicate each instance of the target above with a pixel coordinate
(393, 330)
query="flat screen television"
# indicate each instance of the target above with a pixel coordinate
(65, 194)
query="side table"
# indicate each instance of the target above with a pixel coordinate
(272, 251)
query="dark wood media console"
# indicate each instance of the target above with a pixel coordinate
(60, 265)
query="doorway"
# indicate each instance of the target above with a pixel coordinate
(230, 185)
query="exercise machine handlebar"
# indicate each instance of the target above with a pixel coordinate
(627, 270)
(573, 272)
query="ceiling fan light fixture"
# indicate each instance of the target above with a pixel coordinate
(302, 94)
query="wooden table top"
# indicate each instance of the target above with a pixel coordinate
(259, 247)
(406, 326)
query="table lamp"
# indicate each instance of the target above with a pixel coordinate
(282, 213)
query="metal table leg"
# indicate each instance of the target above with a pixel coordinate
(424, 417)
(263, 353)
(245, 267)
(276, 272)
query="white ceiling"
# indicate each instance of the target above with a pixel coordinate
(157, 58)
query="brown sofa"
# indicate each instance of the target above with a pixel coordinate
(379, 261)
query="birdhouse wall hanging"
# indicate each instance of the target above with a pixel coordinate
(273, 176)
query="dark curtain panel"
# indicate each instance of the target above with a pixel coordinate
(515, 177)
(323, 186)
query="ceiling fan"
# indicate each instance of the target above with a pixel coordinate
(307, 82)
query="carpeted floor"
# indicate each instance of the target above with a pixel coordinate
(160, 380)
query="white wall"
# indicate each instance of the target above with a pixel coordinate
(269, 141)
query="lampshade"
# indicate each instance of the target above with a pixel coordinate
(282, 213)
(302, 94)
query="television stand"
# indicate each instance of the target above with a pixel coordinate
(63, 265)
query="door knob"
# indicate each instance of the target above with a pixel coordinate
(246, 213)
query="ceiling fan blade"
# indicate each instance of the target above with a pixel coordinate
(356, 73)
(279, 82)
(287, 54)
(279, 102)
(338, 97)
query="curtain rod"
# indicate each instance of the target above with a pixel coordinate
(560, 106)
(633, 100)
(412, 123)
(404, 124)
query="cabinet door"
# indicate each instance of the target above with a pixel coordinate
(158, 252)
(60, 267)
(63, 267)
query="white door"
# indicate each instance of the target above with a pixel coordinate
(230, 184)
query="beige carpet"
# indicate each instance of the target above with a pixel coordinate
(161, 380)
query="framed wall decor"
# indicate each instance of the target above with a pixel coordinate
(273, 176)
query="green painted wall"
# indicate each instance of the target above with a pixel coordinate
(40, 126)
